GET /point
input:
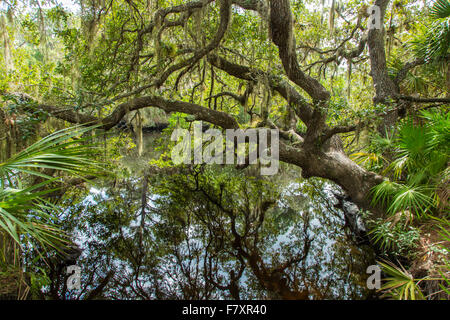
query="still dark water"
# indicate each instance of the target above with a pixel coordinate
(110, 211)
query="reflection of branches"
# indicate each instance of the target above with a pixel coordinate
(233, 285)
(245, 222)
(94, 284)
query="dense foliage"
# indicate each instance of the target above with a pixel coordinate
(362, 115)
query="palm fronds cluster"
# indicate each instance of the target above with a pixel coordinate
(25, 213)
(417, 189)
(419, 168)
(434, 43)
(400, 284)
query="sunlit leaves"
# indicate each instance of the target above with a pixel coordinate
(400, 284)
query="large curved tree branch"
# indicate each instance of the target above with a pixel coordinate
(320, 154)
(302, 108)
(225, 15)
(408, 66)
(329, 162)
(282, 35)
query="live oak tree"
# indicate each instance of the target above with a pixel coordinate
(316, 73)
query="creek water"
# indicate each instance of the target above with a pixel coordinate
(335, 262)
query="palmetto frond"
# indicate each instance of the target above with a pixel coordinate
(367, 159)
(24, 212)
(439, 130)
(440, 9)
(399, 283)
(61, 151)
(385, 192)
(420, 159)
(414, 199)
(435, 42)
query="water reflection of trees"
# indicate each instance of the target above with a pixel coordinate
(211, 233)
